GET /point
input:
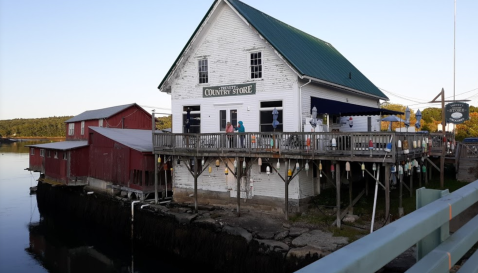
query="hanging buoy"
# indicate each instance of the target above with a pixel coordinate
(419, 143)
(418, 169)
(332, 169)
(320, 168)
(307, 167)
(374, 168)
(210, 170)
(202, 162)
(405, 147)
(159, 159)
(424, 146)
(226, 171)
(289, 173)
(399, 144)
(400, 169)
(217, 164)
(414, 144)
(253, 139)
(272, 143)
(347, 168)
(165, 166)
(393, 169)
(388, 149)
(235, 165)
(308, 144)
(268, 170)
(334, 143)
(278, 165)
(244, 164)
(351, 122)
(297, 166)
(406, 167)
(259, 162)
(363, 169)
(424, 168)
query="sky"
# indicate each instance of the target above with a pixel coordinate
(61, 58)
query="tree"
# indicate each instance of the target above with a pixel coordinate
(164, 122)
(399, 108)
(468, 128)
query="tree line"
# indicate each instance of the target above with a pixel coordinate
(49, 127)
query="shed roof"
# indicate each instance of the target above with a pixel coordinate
(62, 145)
(140, 140)
(310, 56)
(100, 113)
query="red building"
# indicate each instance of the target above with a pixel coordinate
(129, 116)
(64, 162)
(123, 159)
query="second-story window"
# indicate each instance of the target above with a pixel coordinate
(82, 128)
(71, 129)
(100, 122)
(256, 65)
(202, 69)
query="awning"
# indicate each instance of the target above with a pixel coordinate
(333, 107)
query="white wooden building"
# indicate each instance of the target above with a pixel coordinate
(239, 65)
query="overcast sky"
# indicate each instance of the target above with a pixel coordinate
(62, 58)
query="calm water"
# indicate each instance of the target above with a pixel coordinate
(29, 243)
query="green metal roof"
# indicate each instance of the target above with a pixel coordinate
(309, 55)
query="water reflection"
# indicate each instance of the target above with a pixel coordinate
(19, 145)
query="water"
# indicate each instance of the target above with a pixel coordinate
(31, 243)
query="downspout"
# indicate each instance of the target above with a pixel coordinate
(300, 105)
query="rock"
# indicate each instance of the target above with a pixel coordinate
(238, 231)
(320, 240)
(184, 218)
(281, 235)
(265, 235)
(124, 193)
(295, 231)
(207, 222)
(302, 252)
(274, 245)
(286, 225)
(349, 219)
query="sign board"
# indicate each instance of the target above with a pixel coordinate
(457, 112)
(229, 90)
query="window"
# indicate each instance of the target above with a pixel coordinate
(223, 120)
(55, 155)
(71, 129)
(82, 128)
(48, 154)
(202, 69)
(32, 151)
(42, 152)
(266, 118)
(100, 122)
(65, 156)
(256, 65)
(194, 122)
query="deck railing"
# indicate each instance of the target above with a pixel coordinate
(298, 143)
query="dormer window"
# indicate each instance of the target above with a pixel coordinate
(202, 69)
(256, 65)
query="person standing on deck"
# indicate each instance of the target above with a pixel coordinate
(229, 133)
(240, 129)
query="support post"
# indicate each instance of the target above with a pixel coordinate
(238, 180)
(195, 184)
(419, 176)
(411, 183)
(367, 177)
(286, 191)
(351, 210)
(387, 193)
(400, 205)
(428, 170)
(156, 178)
(337, 181)
(443, 149)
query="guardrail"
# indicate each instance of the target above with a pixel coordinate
(323, 143)
(374, 251)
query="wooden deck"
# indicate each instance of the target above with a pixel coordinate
(294, 145)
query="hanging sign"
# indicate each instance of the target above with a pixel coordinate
(229, 90)
(457, 112)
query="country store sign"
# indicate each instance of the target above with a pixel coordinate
(229, 90)
(457, 112)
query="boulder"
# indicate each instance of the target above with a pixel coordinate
(302, 252)
(320, 240)
(274, 245)
(295, 231)
(238, 231)
(281, 235)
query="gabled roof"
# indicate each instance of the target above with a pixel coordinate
(309, 56)
(140, 140)
(100, 113)
(63, 145)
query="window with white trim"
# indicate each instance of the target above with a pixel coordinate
(42, 152)
(100, 122)
(203, 71)
(256, 65)
(32, 151)
(48, 154)
(71, 129)
(266, 118)
(55, 155)
(82, 128)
